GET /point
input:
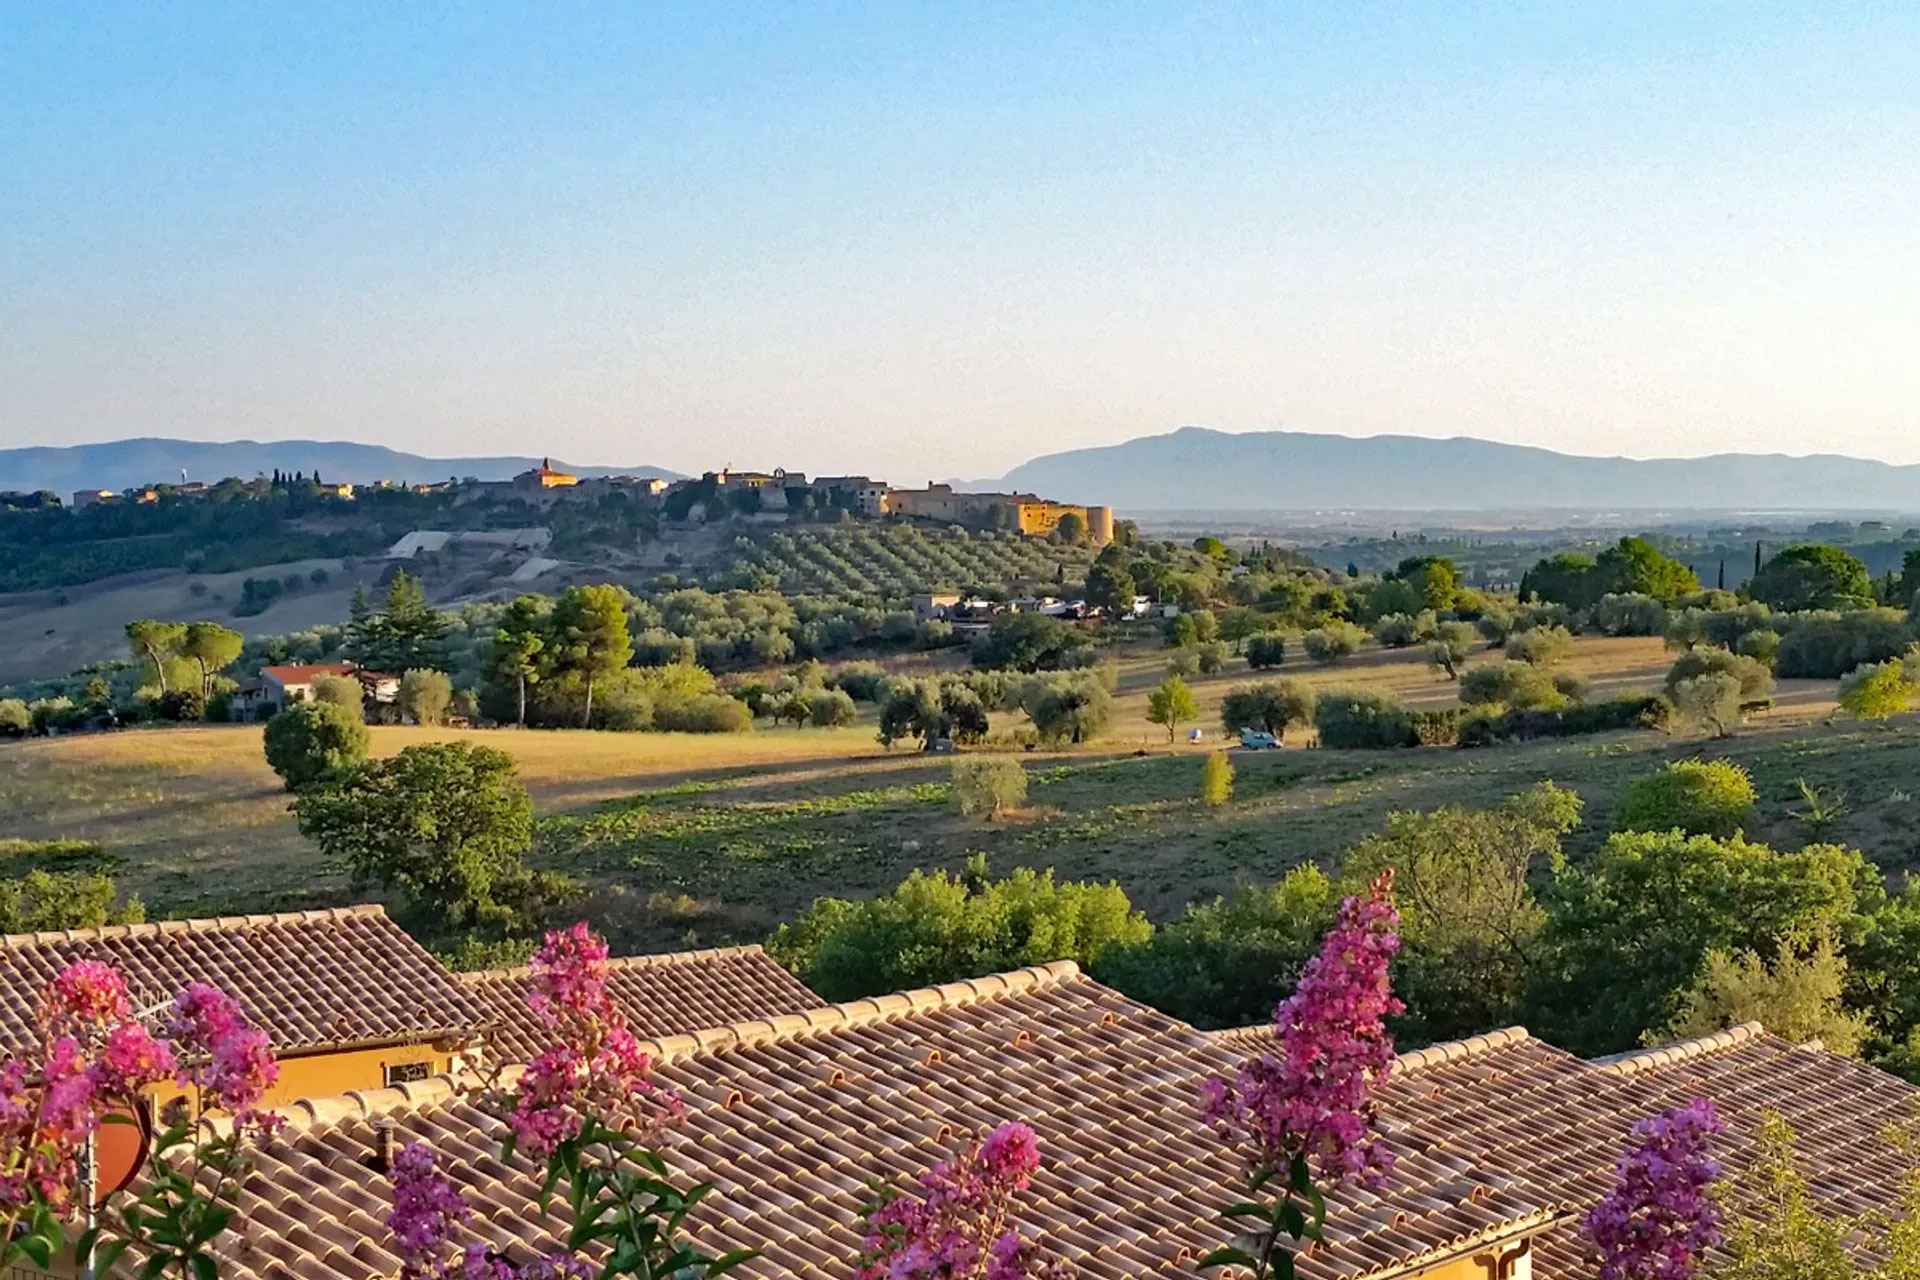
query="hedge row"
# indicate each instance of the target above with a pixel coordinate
(1370, 721)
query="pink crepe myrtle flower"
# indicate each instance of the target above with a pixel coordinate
(594, 1068)
(1660, 1216)
(232, 1061)
(86, 994)
(957, 1227)
(425, 1208)
(131, 1059)
(570, 976)
(1315, 1098)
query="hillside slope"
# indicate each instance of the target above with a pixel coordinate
(122, 464)
(1196, 468)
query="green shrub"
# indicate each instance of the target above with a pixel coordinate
(988, 786)
(705, 713)
(1751, 675)
(15, 720)
(310, 741)
(1509, 684)
(1269, 705)
(45, 901)
(1227, 962)
(860, 680)
(1364, 718)
(1439, 728)
(1699, 797)
(1396, 630)
(1212, 657)
(1522, 724)
(1708, 704)
(1876, 691)
(934, 928)
(1327, 645)
(1068, 709)
(1540, 646)
(1265, 650)
(832, 709)
(1630, 614)
(1216, 779)
(339, 691)
(181, 705)
(1825, 645)
(425, 695)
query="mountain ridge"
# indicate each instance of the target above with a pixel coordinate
(139, 460)
(1277, 470)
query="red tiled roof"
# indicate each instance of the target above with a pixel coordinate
(307, 673)
(660, 995)
(312, 979)
(792, 1114)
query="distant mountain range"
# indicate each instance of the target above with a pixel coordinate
(123, 464)
(1198, 469)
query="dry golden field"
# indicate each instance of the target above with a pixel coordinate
(713, 838)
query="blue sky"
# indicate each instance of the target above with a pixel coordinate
(935, 239)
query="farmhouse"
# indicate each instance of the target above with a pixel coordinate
(1501, 1141)
(279, 687)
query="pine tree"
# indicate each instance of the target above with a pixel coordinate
(363, 639)
(414, 631)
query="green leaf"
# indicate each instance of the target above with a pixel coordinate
(1293, 1219)
(109, 1255)
(38, 1248)
(203, 1268)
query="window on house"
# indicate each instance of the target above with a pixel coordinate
(408, 1072)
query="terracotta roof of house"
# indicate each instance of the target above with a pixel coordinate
(312, 979)
(1495, 1136)
(306, 672)
(660, 995)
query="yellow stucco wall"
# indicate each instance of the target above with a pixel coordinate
(322, 1075)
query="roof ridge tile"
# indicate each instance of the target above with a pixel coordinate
(196, 924)
(1626, 1064)
(649, 960)
(1432, 1055)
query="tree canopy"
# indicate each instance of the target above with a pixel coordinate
(1812, 575)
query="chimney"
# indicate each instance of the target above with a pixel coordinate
(383, 1145)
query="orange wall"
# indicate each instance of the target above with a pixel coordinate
(322, 1075)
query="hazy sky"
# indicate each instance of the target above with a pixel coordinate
(926, 239)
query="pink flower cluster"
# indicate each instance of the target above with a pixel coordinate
(1660, 1216)
(233, 1062)
(425, 1210)
(957, 1227)
(1314, 1099)
(96, 1058)
(595, 1068)
(570, 976)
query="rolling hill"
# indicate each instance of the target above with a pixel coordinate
(123, 464)
(1195, 468)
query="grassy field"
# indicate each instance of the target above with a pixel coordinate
(706, 839)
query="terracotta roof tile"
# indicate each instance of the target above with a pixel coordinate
(312, 979)
(789, 1116)
(661, 995)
